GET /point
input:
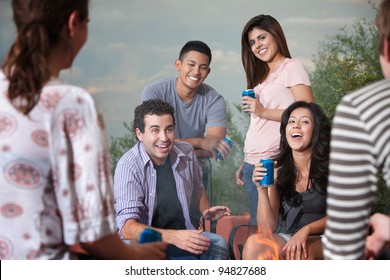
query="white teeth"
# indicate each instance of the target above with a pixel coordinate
(263, 51)
(162, 146)
(295, 134)
(193, 78)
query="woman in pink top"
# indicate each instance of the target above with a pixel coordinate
(278, 81)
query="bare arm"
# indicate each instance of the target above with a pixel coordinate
(300, 93)
(205, 147)
(268, 202)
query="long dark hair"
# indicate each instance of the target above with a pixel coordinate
(287, 171)
(255, 69)
(39, 25)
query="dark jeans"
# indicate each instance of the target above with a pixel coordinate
(251, 190)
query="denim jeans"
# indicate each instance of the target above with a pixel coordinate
(195, 214)
(251, 190)
(218, 250)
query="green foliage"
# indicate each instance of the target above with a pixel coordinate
(120, 145)
(225, 190)
(345, 62)
(382, 199)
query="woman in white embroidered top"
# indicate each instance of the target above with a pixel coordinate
(56, 184)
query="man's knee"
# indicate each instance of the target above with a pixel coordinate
(216, 239)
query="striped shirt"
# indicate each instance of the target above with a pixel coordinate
(135, 183)
(360, 150)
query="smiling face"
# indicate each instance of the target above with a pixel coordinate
(263, 44)
(299, 129)
(158, 137)
(193, 70)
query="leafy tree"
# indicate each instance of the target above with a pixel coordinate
(120, 145)
(345, 62)
(225, 190)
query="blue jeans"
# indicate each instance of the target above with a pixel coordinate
(251, 190)
(218, 250)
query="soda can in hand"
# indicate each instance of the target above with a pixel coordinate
(268, 180)
(230, 143)
(149, 235)
(248, 92)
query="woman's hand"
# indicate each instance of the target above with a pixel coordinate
(259, 172)
(239, 180)
(252, 105)
(295, 249)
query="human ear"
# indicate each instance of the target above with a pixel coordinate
(178, 64)
(138, 133)
(73, 23)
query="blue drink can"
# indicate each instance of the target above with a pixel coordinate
(249, 92)
(268, 180)
(149, 235)
(230, 143)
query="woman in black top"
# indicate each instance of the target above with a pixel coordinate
(291, 214)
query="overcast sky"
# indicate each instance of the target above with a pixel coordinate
(134, 42)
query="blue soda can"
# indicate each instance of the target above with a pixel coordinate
(249, 92)
(230, 142)
(268, 180)
(149, 235)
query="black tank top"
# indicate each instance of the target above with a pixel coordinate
(312, 208)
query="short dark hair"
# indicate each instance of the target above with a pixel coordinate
(383, 24)
(151, 107)
(197, 46)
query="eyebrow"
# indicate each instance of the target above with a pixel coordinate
(193, 61)
(301, 117)
(261, 34)
(157, 126)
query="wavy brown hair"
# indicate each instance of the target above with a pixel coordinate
(256, 70)
(39, 24)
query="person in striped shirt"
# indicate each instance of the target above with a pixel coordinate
(157, 180)
(360, 151)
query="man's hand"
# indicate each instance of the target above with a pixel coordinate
(379, 239)
(216, 212)
(190, 240)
